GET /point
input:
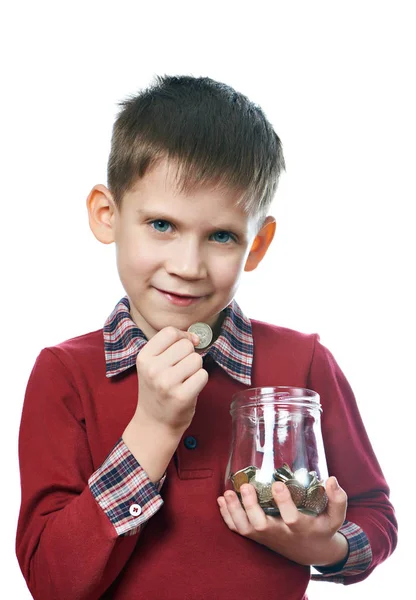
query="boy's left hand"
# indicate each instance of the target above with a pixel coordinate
(304, 539)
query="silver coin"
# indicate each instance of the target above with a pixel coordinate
(297, 491)
(204, 332)
(264, 492)
(316, 499)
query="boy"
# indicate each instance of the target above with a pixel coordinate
(116, 420)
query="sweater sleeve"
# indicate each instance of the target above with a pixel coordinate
(350, 457)
(75, 528)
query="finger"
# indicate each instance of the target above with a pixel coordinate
(337, 502)
(165, 338)
(225, 514)
(194, 384)
(254, 511)
(288, 511)
(175, 353)
(237, 513)
(170, 377)
(187, 367)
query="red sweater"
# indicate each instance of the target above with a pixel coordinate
(73, 416)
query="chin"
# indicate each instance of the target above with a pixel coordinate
(178, 321)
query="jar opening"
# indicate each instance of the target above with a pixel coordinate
(279, 395)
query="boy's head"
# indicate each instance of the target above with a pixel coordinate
(192, 171)
(211, 131)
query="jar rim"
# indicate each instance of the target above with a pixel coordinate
(275, 395)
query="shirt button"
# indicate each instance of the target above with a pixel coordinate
(190, 442)
(135, 510)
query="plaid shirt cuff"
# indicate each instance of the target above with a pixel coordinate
(124, 491)
(358, 560)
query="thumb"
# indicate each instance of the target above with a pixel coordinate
(193, 337)
(337, 502)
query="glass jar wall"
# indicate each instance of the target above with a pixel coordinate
(277, 437)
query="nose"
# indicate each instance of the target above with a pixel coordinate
(186, 259)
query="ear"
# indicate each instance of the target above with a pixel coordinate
(261, 244)
(101, 211)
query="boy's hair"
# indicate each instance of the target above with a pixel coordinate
(215, 135)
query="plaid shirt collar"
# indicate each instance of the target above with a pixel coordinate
(232, 350)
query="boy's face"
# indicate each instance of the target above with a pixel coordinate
(179, 257)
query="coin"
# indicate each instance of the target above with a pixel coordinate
(264, 492)
(297, 491)
(250, 472)
(283, 473)
(204, 332)
(238, 480)
(316, 499)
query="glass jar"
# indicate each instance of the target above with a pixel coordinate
(276, 436)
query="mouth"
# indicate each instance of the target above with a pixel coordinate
(179, 299)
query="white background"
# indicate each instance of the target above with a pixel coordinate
(337, 80)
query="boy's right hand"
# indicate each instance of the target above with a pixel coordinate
(170, 379)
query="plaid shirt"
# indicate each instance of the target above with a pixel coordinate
(122, 488)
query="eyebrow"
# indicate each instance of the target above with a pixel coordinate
(163, 216)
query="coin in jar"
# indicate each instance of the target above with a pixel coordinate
(316, 499)
(297, 491)
(264, 492)
(239, 479)
(204, 332)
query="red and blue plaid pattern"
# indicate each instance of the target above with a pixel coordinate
(233, 349)
(359, 556)
(118, 484)
(122, 339)
(121, 482)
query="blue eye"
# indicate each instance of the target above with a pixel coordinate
(222, 237)
(160, 225)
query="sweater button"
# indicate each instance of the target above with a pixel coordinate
(190, 442)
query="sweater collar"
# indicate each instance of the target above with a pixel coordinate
(232, 350)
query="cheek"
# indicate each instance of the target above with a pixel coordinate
(135, 258)
(227, 272)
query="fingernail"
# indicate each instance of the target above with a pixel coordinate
(279, 487)
(195, 339)
(244, 490)
(335, 483)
